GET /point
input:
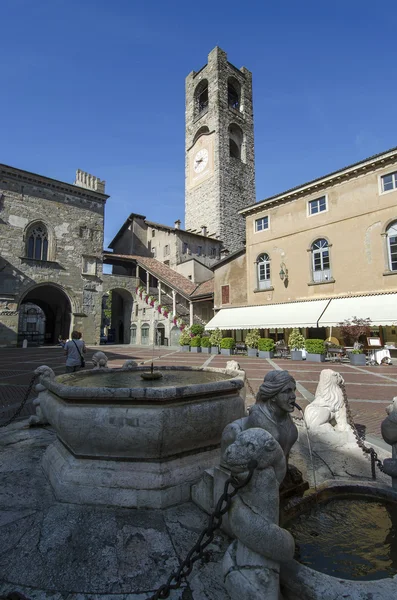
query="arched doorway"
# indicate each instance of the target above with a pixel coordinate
(175, 334)
(51, 318)
(116, 315)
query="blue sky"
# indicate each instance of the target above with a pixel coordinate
(99, 85)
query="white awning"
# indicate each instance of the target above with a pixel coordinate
(291, 314)
(381, 309)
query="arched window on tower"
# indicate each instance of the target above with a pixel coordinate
(233, 93)
(321, 267)
(235, 141)
(201, 98)
(263, 272)
(37, 242)
(200, 132)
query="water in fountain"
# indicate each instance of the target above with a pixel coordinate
(350, 538)
(132, 379)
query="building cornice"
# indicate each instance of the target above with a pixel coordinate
(319, 185)
(53, 184)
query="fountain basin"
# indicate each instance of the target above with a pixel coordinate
(369, 556)
(142, 445)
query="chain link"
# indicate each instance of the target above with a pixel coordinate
(20, 407)
(366, 450)
(207, 535)
(249, 387)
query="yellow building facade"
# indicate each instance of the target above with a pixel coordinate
(334, 238)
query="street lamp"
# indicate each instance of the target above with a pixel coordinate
(283, 272)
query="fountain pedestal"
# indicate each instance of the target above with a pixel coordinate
(136, 447)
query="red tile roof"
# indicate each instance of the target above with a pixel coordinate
(175, 280)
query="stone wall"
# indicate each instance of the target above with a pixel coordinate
(71, 277)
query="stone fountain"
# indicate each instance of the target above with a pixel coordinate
(122, 444)
(122, 441)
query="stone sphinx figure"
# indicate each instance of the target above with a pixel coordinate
(39, 418)
(389, 434)
(275, 401)
(99, 360)
(327, 413)
(251, 563)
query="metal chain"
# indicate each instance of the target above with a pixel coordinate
(206, 536)
(366, 450)
(249, 386)
(20, 407)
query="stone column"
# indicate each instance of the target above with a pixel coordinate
(174, 302)
(159, 290)
(191, 313)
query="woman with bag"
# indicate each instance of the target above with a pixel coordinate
(74, 350)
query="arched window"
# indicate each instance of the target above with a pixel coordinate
(263, 272)
(320, 260)
(235, 141)
(200, 132)
(201, 98)
(233, 93)
(37, 242)
(391, 233)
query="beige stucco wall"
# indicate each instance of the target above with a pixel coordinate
(234, 274)
(357, 215)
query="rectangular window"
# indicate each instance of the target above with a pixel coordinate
(389, 182)
(184, 247)
(153, 232)
(89, 265)
(393, 252)
(213, 252)
(318, 205)
(154, 252)
(166, 250)
(199, 250)
(225, 294)
(262, 224)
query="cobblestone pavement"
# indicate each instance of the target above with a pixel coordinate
(369, 389)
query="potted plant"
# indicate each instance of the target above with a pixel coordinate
(205, 345)
(196, 329)
(184, 340)
(227, 346)
(296, 342)
(251, 341)
(315, 350)
(215, 341)
(351, 331)
(195, 344)
(266, 347)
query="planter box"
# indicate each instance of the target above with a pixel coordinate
(214, 350)
(252, 352)
(266, 354)
(205, 350)
(358, 360)
(185, 348)
(226, 351)
(296, 355)
(315, 357)
(195, 349)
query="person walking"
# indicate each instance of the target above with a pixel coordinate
(75, 350)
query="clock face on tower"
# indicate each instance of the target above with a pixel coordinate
(200, 160)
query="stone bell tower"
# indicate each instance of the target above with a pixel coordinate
(219, 154)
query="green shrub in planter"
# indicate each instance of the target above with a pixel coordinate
(315, 346)
(216, 337)
(266, 345)
(206, 342)
(228, 343)
(196, 329)
(184, 340)
(252, 338)
(315, 350)
(195, 344)
(296, 341)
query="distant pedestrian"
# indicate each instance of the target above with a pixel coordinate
(74, 350)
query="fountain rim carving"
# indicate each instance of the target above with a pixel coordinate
(169, 394)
